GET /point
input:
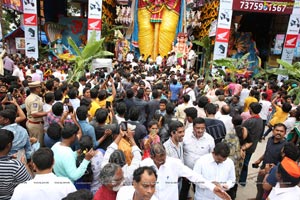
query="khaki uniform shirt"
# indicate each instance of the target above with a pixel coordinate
(34, 104)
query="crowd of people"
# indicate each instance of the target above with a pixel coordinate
(143, 131)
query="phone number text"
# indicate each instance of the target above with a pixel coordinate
(261, 6)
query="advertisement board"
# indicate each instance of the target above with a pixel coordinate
(94, 18)
(264, 6)
(30, 28)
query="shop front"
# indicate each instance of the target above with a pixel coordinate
(267, 30)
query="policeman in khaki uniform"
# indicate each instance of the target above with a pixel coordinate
(35, 114)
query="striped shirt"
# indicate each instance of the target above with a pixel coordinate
(173, 151)
(216, 129)
(12, 172)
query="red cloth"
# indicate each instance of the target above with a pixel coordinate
(105, 194)
(269, 93)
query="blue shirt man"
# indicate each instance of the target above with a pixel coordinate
(175, 88)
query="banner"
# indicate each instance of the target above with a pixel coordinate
(264, 6)
(30, 21)
(94, 18)
(290, 41)
(223, 29)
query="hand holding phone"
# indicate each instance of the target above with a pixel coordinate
(108, 104)
(123, 126)
(9, 96)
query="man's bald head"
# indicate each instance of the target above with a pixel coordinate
(225, 110)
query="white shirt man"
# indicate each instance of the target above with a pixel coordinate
(143, 185)
(191, 93)
(279, 193)
(265, 111)
(216, 168)
(57, 74)
(129, 57)
(174, 145)
(197, 143)
(244, 94)
(168, 174)
(127, 193)
(168, 171)
(45, 184)
(19, 73)
(158, 60)
(226, 118)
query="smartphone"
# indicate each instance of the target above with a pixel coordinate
(255, 165)
(67, 100)
(9, 97)
(123, 126)
(108, 104)
(152, 132)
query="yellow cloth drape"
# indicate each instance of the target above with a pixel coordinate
(166, 32)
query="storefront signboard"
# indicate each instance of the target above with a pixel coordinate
(264, 6)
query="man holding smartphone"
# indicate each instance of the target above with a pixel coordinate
(103, 96)
(271, 156)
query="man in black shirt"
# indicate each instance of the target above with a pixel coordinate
(254, 126)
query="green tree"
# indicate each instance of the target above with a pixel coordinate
(234, 65)
(205, 43)
(10, 21)
(93, 49)
(293, 72)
